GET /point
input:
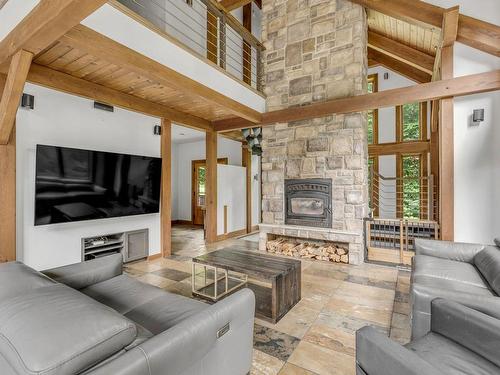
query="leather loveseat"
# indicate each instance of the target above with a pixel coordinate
(90, 318)
(460, 341)
(465, 273)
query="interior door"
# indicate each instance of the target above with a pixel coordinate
(199, 189)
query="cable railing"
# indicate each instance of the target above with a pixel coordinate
(403, 197)
(205, 28)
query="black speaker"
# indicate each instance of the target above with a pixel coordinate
(28, 101)
(104, 107)
(157, 130)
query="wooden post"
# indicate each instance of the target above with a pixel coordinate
(446, 150)
(247, 49)
(166, 188)
(211, 186)
(12, 93)
(8, 199)
(246, 161)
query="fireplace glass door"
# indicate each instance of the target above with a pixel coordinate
(308, 202)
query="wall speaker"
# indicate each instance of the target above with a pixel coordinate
(104, 107)
(28, 101)
(157, 130)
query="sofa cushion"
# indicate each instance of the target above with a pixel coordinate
(487, 262)
(425, 267)
(155, 309)
(57, 330)
(449, 357)
(17, 278)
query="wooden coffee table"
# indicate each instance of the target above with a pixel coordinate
(223, 271)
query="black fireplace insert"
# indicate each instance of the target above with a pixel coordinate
(308, 202)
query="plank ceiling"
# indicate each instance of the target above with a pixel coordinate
(67, 59)
(424, 38)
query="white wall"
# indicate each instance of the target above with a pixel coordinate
(185, 154)
(64, 120)
(231, 192)
(256, 195)
(477, 148)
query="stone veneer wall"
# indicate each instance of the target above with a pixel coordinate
(316, 50)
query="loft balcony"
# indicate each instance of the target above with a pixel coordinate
(192, 63)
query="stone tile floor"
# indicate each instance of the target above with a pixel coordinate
(318, 335)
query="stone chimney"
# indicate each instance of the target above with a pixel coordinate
(315, 51)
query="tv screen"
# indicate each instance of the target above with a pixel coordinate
(74, 185)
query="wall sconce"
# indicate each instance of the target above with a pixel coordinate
(28, 101)
(157, 130)
(478, 116)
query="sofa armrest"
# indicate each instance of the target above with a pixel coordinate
(217, 340)
(472, 329)
(81, 275)
(376, 354)
(421, 297)
(457, 251)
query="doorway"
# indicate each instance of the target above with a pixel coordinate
(198, 189)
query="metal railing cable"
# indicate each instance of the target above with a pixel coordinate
(218, 41)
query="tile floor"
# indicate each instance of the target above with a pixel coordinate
(318, 335)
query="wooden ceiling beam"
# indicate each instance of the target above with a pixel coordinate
(101, 47)
(399, 66)
(459, 86)
(400, 51)
(235, 4)
(475, 33)
(410, 147)
(46, 23)
(53, 79)
(450, 26)
(12, 93)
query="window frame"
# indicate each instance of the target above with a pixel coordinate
(373, 78)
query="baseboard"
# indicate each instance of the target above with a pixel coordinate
(182, 222)
(154, 256)
(237, 233)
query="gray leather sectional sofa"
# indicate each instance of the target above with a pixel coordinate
(90, 318)
(460, 341)
(465, 273)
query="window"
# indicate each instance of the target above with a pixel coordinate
(373, 114)
(410, 201)
(411, 122)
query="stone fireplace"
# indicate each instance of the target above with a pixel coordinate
(308, 202)
(315, 51)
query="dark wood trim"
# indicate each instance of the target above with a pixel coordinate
(455, 87)
(166, 188)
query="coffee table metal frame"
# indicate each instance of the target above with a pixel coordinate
(219, 274)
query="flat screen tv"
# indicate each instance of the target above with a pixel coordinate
(75, 185)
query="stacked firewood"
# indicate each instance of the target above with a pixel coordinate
(307, 250)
